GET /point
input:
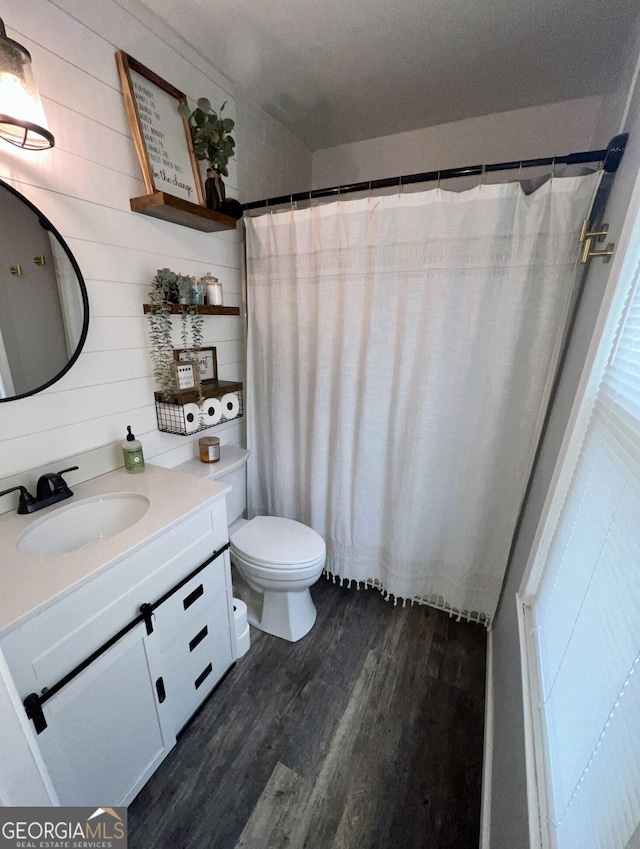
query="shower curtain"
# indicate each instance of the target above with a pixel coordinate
(400, 355)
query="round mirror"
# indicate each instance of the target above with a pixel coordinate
(44, 309)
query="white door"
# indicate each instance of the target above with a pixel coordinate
(103, 737)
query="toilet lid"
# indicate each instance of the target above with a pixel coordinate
(278, 542)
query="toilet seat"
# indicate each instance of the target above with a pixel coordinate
(276, 567)
(270, 542)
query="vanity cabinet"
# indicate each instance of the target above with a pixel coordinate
(110, 725)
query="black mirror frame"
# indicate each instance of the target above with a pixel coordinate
(47, 225)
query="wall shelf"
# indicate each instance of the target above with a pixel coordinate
(178, 211)
(210, 389)
(201, 309)
(223, 403)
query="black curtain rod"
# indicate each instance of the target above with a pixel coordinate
(609, 156)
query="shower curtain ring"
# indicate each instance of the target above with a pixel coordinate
(483, 174)
(553, 167)
(400, 186)
(520, 171)
(438, 183)
(370, 189)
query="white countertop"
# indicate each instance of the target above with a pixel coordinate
(30, 583)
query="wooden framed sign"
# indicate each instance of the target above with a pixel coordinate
(206, 359)
(161, 135)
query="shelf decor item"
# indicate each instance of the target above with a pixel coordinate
(185, 379)
(162, 137)
(213, 143)
(207, 361)
(169, 287)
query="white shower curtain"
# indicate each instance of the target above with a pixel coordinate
(400, 354)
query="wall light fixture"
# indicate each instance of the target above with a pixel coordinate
(22, 119)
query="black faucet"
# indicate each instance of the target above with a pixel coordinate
(51, 488)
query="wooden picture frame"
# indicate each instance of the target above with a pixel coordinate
(162, 136)
(185, 375)
(206, 359)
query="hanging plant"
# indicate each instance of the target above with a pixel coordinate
(169, 288)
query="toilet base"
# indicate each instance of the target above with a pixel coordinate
(288, 615)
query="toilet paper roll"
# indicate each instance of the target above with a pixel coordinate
(212, 409)
(239, 614)
(243, 638)
(243, 643)
(191, 414)
(230, 405)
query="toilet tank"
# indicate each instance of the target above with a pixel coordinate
(232, 469)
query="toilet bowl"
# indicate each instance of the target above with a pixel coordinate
(274, 560)
(277, 561)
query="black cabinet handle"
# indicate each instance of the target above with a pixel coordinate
(206, 672)
(194, 596)
(199, 637)
(162, 694)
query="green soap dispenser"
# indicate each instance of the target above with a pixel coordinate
(132, 451)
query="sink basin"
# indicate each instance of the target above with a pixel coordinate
(85, 523)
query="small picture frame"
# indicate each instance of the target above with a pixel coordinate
(206, 359)
(162, 136)
(185, 375)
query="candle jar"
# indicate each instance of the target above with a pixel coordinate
(214, 290)
(209, 449)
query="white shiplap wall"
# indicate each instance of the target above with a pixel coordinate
(84, 185)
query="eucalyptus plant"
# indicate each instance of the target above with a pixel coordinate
(167, 288)
(210, 134)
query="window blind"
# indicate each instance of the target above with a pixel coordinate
(586, 611)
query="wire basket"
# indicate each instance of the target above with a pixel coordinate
(185, 419)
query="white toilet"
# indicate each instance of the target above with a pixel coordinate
(275, 560)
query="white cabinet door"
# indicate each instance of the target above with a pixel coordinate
(191, 647)
(103, 738)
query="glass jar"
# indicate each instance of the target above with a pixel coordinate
(214, 290)
(209, 449)
(197, 292)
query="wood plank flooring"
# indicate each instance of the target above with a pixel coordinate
(366, 734)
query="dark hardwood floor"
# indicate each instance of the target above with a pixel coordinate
(366, 734)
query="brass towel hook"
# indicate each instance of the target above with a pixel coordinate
(589, 237)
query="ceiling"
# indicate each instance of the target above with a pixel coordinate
(338, 71)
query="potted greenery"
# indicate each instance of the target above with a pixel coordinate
(169, 288)
(211, 143)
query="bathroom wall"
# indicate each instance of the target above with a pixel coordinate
(273, 161)
(554, 128)
(508, 801)
(84, 185)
